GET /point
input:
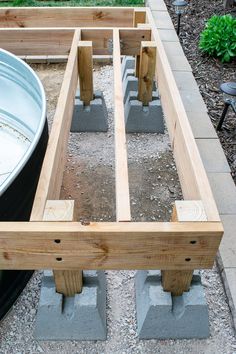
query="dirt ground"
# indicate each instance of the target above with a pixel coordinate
(89, 179)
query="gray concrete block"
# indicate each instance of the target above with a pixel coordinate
(92, 118)
(212, 155)
(156, 5)
(81, 317)
(176, 56)
(185, 81)
(168, 35)
(130, 83)
(193, 101)
(201, 125)
(224, 192)
(227, 251)
(161, 316)
(162, 20)
(143, 119)
(229, 277)
(128, 63)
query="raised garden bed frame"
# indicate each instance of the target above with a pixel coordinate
(190, 241)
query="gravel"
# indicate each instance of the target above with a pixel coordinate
(89, 178)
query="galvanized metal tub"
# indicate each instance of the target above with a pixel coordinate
(23, 142)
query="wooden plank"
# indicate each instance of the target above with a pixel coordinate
(22, 17)
(57, 41)
(50, 181)
(130, 38)
(37, 42)
(118, 245)
(178, 281)
(192, 175)
(121, 164)
(146, 72)
(85, 68)
(68, 282)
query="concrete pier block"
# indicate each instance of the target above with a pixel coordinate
(81, 317)
(143, 119)
(92, 118)
(128, 62)
(161, 316)
(130, 83)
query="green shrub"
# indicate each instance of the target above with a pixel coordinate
(218, 39)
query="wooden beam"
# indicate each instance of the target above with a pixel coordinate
(121, 165)
(67, 282)
(146, 71)
(192, 175)
(57, 41)
(85, 68)
(41, 41)
(118, 245)
(50, 180)
(22, 17)
(178, 281)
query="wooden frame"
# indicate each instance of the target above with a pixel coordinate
(187, 243)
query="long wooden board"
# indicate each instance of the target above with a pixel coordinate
(192, 175)
(109, 245)
(57, 41)
(23, 17)
(50, 180)
(123, 212)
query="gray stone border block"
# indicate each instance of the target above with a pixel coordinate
(176, 57)
(162, 20)
(212, 155)
(161, 316)
(92, 118)
(156, 5)
(168, 35)
(143, 119)
(201, 125)
(81, 317)
(224, 192)
(185, 81)
(229, 276)
(227, 250)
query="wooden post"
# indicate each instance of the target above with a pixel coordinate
(146, 71)
(85, 69)
(68, 282)
(139, 17)
(176, 281)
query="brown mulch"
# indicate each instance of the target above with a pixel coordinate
(209, 72)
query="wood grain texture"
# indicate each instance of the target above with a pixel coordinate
(192, 175)
(57, 41)
(179, 281)
(85, 68)
(66, 17)
(41, 41)
(117, 245)
(50, 180)
(67, 282)
(121, 165)
(139, 16)
(147, 68)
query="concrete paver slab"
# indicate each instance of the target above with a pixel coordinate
(224, 191)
